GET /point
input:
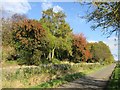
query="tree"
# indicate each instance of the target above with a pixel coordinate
(80, 51)
(8, 50)
(7, 28)
(105, 15)
(28, 37)
(18, 17)
(106, 55)
(59, 33)
(6, 32)
(100, 52)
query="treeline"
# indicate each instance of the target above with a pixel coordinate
(49, 40)
(100, 53)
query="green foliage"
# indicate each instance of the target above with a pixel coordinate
(59, 34)
(101, 53)
(50, 40)
(115, 79)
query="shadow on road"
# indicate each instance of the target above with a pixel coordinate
(86, 83)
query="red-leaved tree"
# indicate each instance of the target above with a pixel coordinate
(28, 37)
(80, 51)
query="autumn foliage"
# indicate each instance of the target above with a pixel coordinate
(28, 36)
(29, 33)
(80, 51)
(50, 40)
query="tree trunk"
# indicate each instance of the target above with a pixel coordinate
(49, 56)
(118, 45)
(53, 53)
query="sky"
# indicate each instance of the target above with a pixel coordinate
(73, 11)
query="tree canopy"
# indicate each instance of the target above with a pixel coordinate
(80, 51)
(50, 40)
(105, 15)
(59, 31)
(28, 38)
(100, 52)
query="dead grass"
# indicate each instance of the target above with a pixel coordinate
(38, 79)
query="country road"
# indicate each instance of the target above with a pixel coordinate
(93, 81)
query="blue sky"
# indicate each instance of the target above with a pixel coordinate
(72, 10)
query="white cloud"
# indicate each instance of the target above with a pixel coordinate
(47, 5)
(57, 9)
(15, 6)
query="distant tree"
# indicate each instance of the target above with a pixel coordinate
(7, 27)
(28, 36)
(100, 52)
(106, 55)
(80, 51)
(18, 17)
(6, 32)
(9, 52)
(105, 15)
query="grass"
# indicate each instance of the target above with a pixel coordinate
(114, 83)
(57, 82)
(27, 77)
(9, 64)
(67, 78)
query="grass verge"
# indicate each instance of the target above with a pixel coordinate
(114, 83)
(59, 81)
(51, 75)
(67, 78)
